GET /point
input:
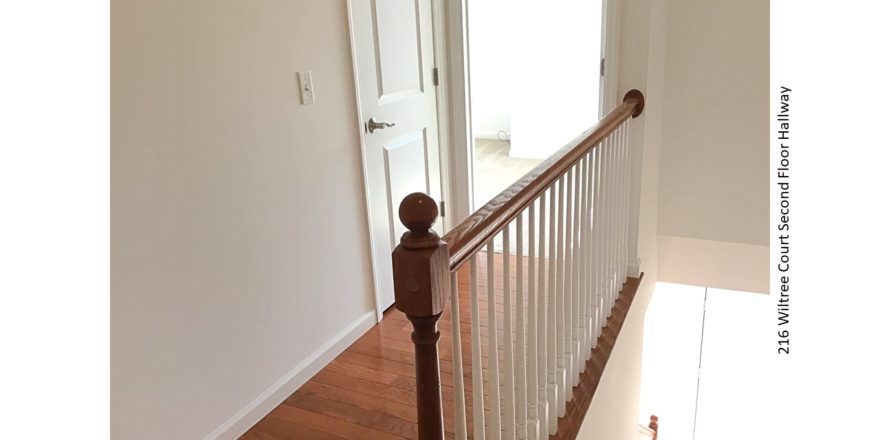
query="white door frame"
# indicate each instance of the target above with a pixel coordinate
(451, 52)
(609, 98)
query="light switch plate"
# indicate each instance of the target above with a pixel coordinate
(306, 87)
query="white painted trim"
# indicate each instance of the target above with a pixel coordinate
(492, 135)
(608, 96)
(263, 404)
(439, 30)
(633, 268)
(458, 95)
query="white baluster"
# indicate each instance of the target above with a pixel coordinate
(609, 263)
(494, 383)
(552, 392)
(603, 228)
(612, 277)
(627, 202)
(532, 338)
(598, 303)
(584, 350)
(457, 369)
(508, 381)
(476, 357)
(520, 353)
(589, 226)
(542, 322)
(561, 374)
(609, 212)
(615, 221)
(624, 200)
(621, 221)
(621, 199)
(612, 213)
(567, 291)
(576, 277)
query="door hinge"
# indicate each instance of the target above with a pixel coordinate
(602, 67)
(442, 209)
(436, 76)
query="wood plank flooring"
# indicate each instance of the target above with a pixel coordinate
(368, 391)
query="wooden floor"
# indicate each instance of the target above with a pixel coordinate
(368, 391)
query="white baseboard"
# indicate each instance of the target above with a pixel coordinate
(263, 404)
(493, 135)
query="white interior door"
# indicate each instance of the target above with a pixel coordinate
(394, 58)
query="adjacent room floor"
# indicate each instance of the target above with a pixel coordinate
(495, 170)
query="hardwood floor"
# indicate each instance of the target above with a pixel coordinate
(368, 391)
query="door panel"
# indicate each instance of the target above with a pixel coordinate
(398, 53)
(393, 46)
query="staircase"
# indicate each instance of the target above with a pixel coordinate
(503, 327)
(553, 315)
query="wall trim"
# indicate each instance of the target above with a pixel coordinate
(263, 404)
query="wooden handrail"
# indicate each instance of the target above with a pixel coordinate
(471, 235)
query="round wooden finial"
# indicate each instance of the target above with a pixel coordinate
(418, 212)
(637, 94)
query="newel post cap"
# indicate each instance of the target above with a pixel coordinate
(418, 212)
(421, 260)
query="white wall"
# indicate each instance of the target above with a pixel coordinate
(239, 240)
(614, 411)
(720, 264)
(714, 182)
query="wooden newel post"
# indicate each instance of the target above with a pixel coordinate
(421, 287)
(653, 425)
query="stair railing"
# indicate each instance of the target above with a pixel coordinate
(569, 267)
